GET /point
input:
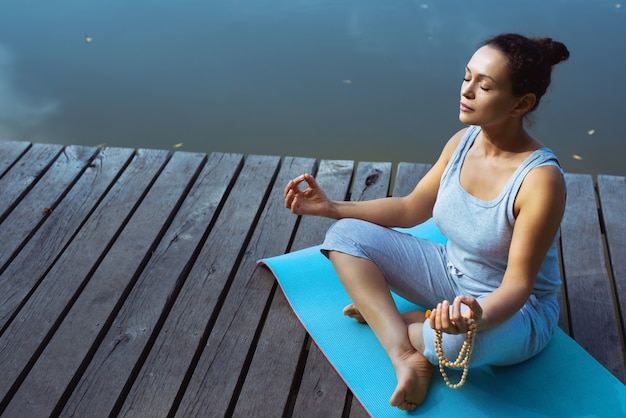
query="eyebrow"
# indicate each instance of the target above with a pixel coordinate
(482, 75)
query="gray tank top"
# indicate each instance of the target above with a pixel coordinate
(479, 232)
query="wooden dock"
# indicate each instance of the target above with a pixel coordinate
(129, 284)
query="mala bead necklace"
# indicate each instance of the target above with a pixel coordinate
(462, 359)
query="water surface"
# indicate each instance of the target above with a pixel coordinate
(341, 79)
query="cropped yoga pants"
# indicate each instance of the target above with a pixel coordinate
(419, 271)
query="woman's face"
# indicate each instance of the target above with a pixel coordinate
(486, 92)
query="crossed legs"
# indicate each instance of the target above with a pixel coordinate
(400, 336)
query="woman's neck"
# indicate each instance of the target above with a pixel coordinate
(506, 139)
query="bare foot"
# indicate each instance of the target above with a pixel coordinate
(413, 372)
(352, 311)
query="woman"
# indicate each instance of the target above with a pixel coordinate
(498, 195)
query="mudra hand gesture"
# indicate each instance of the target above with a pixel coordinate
(455, 323)
(310, 201)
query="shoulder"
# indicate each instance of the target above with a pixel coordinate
(433, 177)
(448, 152)
(545, 176)
(543, 189)
(425, 193)
(455, 140)
(452, 145)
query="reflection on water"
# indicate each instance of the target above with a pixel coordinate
(350, 79)
(18, 110)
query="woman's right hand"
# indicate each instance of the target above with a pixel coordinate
(310, 201)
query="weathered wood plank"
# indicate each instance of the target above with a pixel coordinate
(371, 181)
(89, 316)
(612, 191)
(20, 178)
(23, 273)
(407, 177)
(38, 203)
(40, 314)
(274, 365)
(282, 337)
(120, 351)
(357, 410)
(561, 296)
(10, 152)
(225, 355)
(586, 278)
(185, 330)
(321, 387)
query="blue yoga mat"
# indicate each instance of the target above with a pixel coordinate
(563, 380)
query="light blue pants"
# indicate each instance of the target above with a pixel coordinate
(418, 270)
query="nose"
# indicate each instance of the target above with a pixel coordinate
(466, 90)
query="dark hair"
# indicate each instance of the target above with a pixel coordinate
(530, 61)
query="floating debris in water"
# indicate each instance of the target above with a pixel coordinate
(424, 6)
(88, 39)
(180, 144)
(346, 81)
(591, 131)
(577, 157)
(618, 6)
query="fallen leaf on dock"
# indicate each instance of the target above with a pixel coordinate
(46, 210)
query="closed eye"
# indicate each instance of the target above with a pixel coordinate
(467, 80)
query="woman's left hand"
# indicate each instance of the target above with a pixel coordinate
(455, 322)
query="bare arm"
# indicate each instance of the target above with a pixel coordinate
(540, 205)
(391, 211)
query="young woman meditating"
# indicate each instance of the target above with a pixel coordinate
(497, 194)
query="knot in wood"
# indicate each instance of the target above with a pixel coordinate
(373, 178)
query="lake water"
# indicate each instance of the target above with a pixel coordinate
(366, 80)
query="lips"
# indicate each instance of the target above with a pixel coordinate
(465, 108)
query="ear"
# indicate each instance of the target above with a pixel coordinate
(524, 104)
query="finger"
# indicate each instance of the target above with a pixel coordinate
(310, 180)
(288, 198)
(446, 323)
(456, 309)
(472, 303)
(291, 197)
(288, 188)
(294, 205)
(436, 315)
(461, 325)
(293, 184)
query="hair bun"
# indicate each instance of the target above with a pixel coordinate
(554, 50)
